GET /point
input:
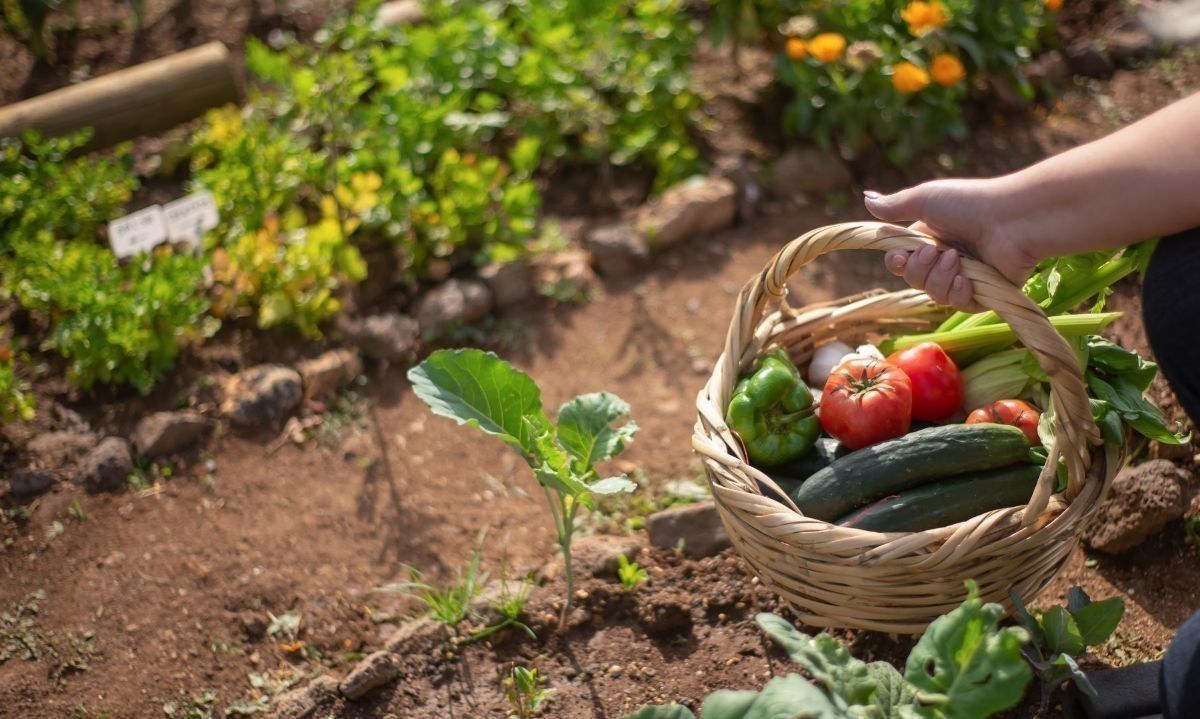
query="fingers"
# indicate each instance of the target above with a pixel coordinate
(897, 207)
(938, 272)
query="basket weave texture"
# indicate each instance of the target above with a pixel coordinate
(896, 581)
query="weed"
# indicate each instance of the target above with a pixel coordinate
(631, 574)
(526, 696)
(451, 604)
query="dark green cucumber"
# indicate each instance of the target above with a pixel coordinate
(946, 502)
(917, 458)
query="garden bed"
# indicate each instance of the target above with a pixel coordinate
(158, 599)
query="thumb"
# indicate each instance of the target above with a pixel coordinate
(903, 206)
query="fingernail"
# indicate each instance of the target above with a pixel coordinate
(871, 195)
(957, 283)
(898, 261)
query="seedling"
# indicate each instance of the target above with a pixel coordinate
(509, 605)
(1060, 635)
(524, 692)
(451, 604)
(630, 573)
(479, 389)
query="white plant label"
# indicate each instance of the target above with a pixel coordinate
(138, 232)
(188, 218)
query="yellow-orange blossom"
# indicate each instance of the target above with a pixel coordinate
(827, 47)
(922, 17)
(907, 78)
(947, 70)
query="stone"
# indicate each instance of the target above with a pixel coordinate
(695, 206)
(261, 395)
(390, 336)
(697, 526)
(1129, 43)
(1049, 71)
(567, 276)
(57, 451)
(416, 637)
(1088, 60)
(324, 375)
(400, 12)
(454, 302)
(739, 170)
(597, 556)
(302, 702)
(371, 673)
(1142, 501)
(106, 467)
(808, 169)
(617, 248)
(30, 482)
(164, 433)
(511, 283)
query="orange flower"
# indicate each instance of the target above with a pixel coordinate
(827, 47)
(907, 78)
(1053, 5)
(947, 70)
(796, 48)
(923, 17)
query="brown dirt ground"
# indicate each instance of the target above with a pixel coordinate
(173, 584)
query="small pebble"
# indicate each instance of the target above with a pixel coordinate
(210, 465)
(615, 670)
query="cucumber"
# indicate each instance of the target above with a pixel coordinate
(947, 502)
(917, 458)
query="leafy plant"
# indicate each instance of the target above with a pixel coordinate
(965, 666)
(631, 574)
(524, 692)
(451, 604)
(16, 400)
(479, 389)
(890, 72)
(508, 605)
(1061, 634)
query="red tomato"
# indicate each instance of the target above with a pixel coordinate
(1021, 415)
(937, 388)
(866, 401)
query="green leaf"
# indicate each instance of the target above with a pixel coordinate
(1062, 634)
(1098, 620)
(1027, 620)
(667, 711)
(825, 658)
(1114, 360)
(892, 692)
(1064, 663)
(965, 666)
(789, 697)
(585, 428)
(613, 485)
(1077, 599)
(479, 389)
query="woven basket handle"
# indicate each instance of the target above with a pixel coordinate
(1075, 432)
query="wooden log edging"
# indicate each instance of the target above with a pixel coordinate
(141, 100)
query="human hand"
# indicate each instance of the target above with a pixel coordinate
(973, 217)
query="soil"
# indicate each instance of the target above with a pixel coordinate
(161, 599)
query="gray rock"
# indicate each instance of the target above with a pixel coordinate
(167, 432)
(454, 302)
(390, 336)
(597, 556)
(57, 451)
(1049, 70)
(808, 169)
(1088, 60)
(510, 282)
(371, 673)
(325, 374)
(1142, 501)
(261, 395)
(617, 248)
(741, 171)
(697, 526)
(30, 482)
(1129, 43)
(567, 275)
(106, 467)
(693, 207)
(302, 702)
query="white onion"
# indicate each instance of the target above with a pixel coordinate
(824, 360)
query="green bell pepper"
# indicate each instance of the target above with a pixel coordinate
(772, 411)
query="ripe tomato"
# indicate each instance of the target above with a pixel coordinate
(866, 401)
(937, 388)
(1021, 415)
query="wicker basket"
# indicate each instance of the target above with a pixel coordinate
(898, 581)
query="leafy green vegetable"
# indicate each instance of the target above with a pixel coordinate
(1118, 378)
(479, 389)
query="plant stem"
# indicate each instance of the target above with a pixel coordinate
(563, 509)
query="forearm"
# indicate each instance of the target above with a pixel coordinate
(1140, 182)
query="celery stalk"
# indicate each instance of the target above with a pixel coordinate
(987, 336)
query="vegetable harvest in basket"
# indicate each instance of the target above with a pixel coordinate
(949, 424)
